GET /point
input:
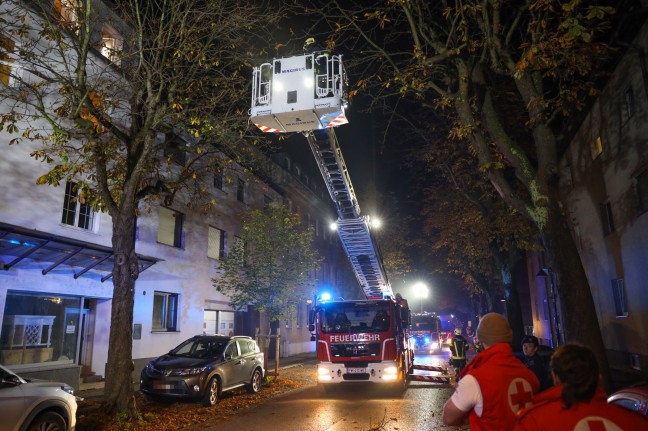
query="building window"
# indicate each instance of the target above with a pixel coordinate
(606, 218)
(642, 191)
(628, 104)
(596, 147)
(7, 62)
(218, 180)
(40, 327)
(618, 292)
(170, 227)
(216, 243)
(175, 151)
(240, 190)
(111, 44)
(76, 212)
(67, 10)
(165, 312)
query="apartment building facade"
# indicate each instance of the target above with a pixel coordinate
(604, 179)
(56, 256)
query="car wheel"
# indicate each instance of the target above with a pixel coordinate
(211, 394)
(255, 382)
(48, 421)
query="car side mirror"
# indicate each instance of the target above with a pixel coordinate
(10, 379)
(228, 356)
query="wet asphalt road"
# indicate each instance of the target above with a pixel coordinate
(354, 408)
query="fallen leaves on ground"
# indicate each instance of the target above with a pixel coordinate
(185, 415)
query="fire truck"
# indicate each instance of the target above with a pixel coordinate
(356, 341)
(426, 330)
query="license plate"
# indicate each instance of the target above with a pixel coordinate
(161, 386)
(356, 370)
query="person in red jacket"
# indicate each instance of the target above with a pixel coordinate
(577, 401)
(494, 385)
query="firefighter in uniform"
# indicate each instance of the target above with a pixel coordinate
(577, 401)
(458, 350)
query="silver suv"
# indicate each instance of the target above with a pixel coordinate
(34, 405)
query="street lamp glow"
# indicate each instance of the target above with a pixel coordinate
(376, 223)
(421, 291)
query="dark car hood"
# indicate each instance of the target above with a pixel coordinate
(171, 361)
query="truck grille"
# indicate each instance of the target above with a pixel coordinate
(355, 350)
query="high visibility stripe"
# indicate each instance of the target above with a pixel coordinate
(339, 120)
(420, 378)
(429, 368)
(268, 129)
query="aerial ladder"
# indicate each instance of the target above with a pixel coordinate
(307, 94)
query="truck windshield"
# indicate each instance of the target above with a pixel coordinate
(354, 318)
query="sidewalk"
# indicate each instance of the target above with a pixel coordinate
(94, 391)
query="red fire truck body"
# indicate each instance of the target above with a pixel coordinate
(363, 341)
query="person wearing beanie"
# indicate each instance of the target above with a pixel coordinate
(577, 401)
(495, 385)
(533, 361)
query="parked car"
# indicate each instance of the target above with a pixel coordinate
(203, 367)
(633, 398)
(34, 405)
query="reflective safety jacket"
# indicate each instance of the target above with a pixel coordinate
(459, 347)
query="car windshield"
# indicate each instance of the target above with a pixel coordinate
(200, 348)
(355, 318)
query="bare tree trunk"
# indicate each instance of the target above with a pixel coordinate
(118, 391)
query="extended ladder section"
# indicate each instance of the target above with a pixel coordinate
(353, 229)
(307, 93)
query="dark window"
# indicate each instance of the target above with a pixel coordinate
(75, 212)
(175, 151)
(240, 190)
(606, 218)
(165, 311)
(218, 180)
(618, 292)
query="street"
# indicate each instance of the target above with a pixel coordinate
(357, 407)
